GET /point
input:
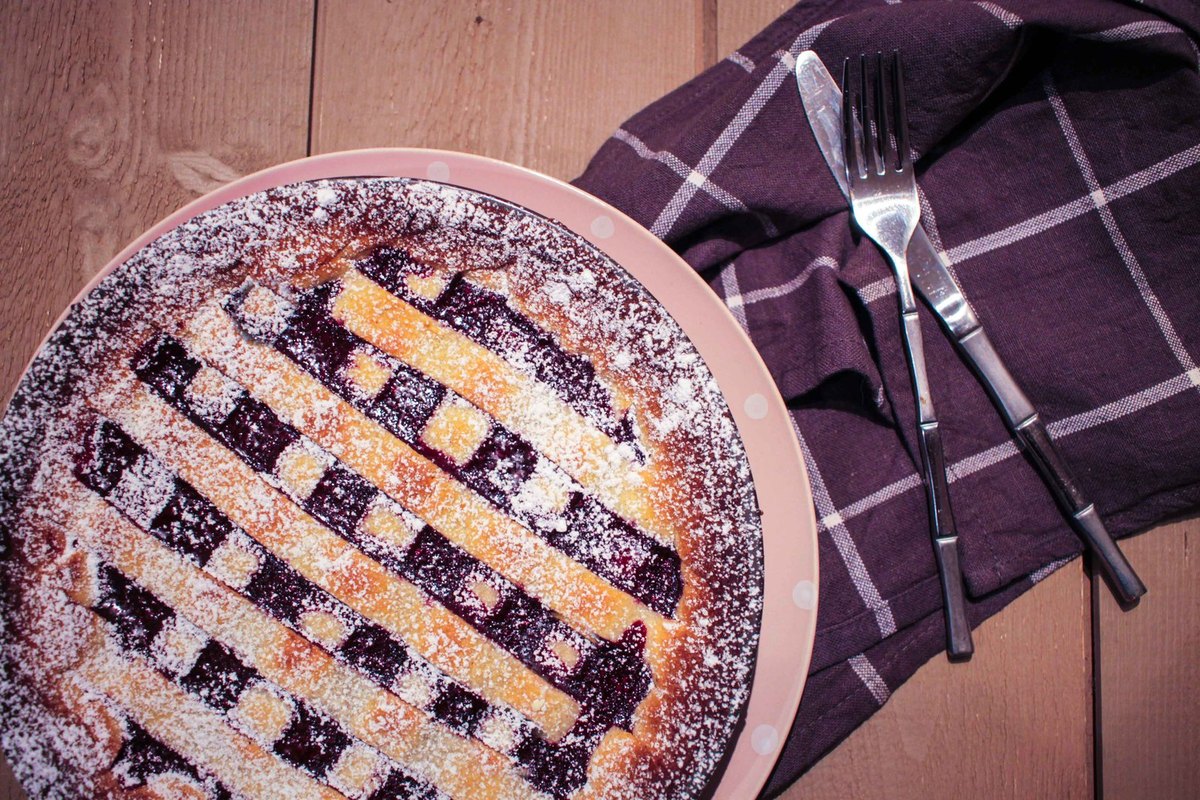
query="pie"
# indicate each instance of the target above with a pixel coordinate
(373, 488)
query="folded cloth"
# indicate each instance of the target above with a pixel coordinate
(1059, 164)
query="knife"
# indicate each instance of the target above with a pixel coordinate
(930, 277)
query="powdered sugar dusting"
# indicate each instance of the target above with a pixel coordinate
(684, 458)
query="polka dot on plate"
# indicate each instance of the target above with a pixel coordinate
(438, 171)
(764, 740)
(603, 228)
(804, 595)
(756, 406)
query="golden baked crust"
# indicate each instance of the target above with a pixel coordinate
(372, 488)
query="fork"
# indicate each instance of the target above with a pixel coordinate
(884, 203)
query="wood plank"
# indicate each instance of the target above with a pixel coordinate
(1013, 723)
(740, 20)
(1149, 671)
(9, 788)
(539, 83)
(115, 115)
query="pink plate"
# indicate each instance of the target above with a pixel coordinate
(780, 481)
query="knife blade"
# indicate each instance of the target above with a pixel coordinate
(931, 278)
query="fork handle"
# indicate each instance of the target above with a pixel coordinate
(942, 528)
(959, 645)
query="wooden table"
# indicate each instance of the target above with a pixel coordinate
(114, 114)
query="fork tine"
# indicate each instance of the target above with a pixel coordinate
(869, 120)
(849, 113)
(901, 114)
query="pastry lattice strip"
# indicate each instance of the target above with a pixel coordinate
(183, 724)
(144, 761)
(486, 317)
(285, 725)
(346, 503)
(362, 711)
(324, 559)
(142, 488)
(582, 598)
(613, 679)
(465, 442)
(523, 405)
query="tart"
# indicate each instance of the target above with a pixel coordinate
(373, 488)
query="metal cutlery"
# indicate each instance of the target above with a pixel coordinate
(930, 277)
(885, 207)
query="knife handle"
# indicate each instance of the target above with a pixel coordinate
(942, 530)
(1119, 573)
(1014, 406)
(959, 645)
(1023, 420)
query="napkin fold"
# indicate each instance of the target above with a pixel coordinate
(1059, 164)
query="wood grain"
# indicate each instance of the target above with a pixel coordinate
(1013, 723)
(116, 114)
(539, 83)
(9, 788)
(738, 21)
(1150, 671)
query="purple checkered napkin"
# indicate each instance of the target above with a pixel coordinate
(1060, 169)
